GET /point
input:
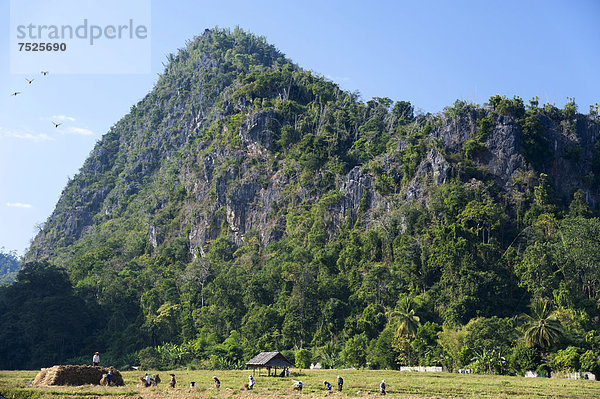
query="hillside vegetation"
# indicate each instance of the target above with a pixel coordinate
(9, 266)
(246, 204)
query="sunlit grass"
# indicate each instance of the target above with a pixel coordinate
(357, 383)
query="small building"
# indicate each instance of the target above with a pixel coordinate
(269, 360)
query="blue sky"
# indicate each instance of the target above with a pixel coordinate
(427, 52)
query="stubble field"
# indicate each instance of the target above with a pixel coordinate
(357, 384)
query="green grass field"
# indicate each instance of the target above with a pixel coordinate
(357, 383)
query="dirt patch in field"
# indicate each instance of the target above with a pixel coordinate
(76, 375)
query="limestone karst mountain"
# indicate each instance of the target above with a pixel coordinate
(249, 200)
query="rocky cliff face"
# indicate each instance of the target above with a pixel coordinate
(198, 160)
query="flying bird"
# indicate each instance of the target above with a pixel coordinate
(44, 73)
(56, 124)
(29, 80)
(15, 93)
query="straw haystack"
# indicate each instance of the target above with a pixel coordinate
(76, 375)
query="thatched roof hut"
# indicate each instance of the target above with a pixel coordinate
(269, 360)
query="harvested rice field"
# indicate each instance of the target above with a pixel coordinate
(357, 384)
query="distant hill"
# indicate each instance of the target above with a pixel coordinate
(246, 204)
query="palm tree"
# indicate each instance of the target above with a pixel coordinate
(542, 328)
(407, 321)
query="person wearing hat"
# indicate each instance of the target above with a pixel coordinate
(382, 387)
(193, 384)
(172, 382)
(251, 381)
(96, 359)
(340, 383)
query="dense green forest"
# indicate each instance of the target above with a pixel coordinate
(246, 204)
(9, 266)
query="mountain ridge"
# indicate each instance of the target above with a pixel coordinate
(246, 199)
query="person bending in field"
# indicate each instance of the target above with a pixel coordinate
(172, 382)
(217, 382)
(327, 385)
(251, 381)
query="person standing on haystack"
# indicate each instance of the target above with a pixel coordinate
(96, 359)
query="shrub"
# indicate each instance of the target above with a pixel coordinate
(355, 351)
(303, 358)
(590, 361)
(566, 359)
(149, 358)
(523, 358)
(505, 106)
(472, 148)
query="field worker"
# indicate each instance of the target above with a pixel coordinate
(148, 380)
(298, 385)
(251, 381)
(172, 382)
(109, 376)
(96, 359)
(327, 385)
(192, 384)
(382, 387)
(340, 383)
(217, 382)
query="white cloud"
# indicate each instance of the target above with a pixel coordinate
(63, 118)
(79, 130)
(18, 205)
(59, 118)
(24, 135)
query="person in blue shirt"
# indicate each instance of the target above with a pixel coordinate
(340, 383)
(327, 385)
(382, 387)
